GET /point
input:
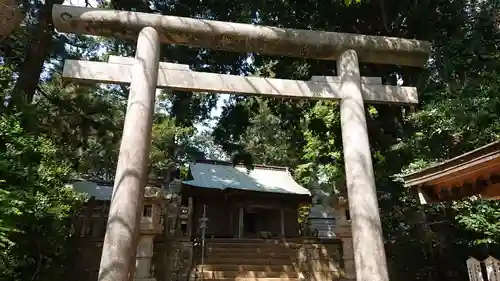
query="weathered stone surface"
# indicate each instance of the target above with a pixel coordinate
(152, 192)
(143, 268)
(120, 242)
(131, 61)
(145, 246)
(336, 79)
(178, 260)
(320, 262)
(368, 245)
(241, 37)
(92, 72)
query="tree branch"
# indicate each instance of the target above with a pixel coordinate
(384, 16)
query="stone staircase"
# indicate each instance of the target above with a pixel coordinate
(249, 260)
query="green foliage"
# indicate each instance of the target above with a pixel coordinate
(172, 145)
(349, 2)
(481, 218)
(33, 202)
(321, 153)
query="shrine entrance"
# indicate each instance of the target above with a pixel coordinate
(252, 222)
(257, 221)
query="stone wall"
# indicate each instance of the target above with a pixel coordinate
(86, 260)
(172, 260)
(321, 260)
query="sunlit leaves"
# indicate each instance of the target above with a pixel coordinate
(480, 217)
(33, 200)
(349, 2)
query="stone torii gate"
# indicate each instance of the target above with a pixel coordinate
(145, 74)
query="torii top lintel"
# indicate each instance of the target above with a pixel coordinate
(241, 37)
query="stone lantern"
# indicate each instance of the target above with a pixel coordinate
(322, 217)
(151, 225)
(328, 216)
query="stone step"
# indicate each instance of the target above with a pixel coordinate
(248, 267)
(287, 267)
(238, 245)
(249, 253)
(263, 276)
(254, 240)
(253, 279)
(260, 275)
(248, 274)
(243, 246)
(244, 260)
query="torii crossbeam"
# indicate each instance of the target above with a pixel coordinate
(145, 74)
(118, 70)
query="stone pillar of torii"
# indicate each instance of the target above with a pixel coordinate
(145, 73)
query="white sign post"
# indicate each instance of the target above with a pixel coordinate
(474, 269)
(492, 266)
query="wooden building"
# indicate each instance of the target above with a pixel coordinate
(252, 235)
(242, 203)
(476, 173)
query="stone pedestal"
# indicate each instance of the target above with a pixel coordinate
(343, 231)
(322, 221)
(348, 258)
(323, 218)
(334, 207)
(144, 257)
(151, 225)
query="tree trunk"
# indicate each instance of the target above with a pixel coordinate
(11, 17)
(40, 43)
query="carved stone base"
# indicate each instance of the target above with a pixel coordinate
(349, 269)
(145, 279)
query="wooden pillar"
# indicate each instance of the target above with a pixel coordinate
(240, 222)
(120, 242)
(231, 214)
(189, 223)
(282, 221)
(369, 255)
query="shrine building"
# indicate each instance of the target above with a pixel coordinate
(223, 223)
(239, 202)
(476, 173)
